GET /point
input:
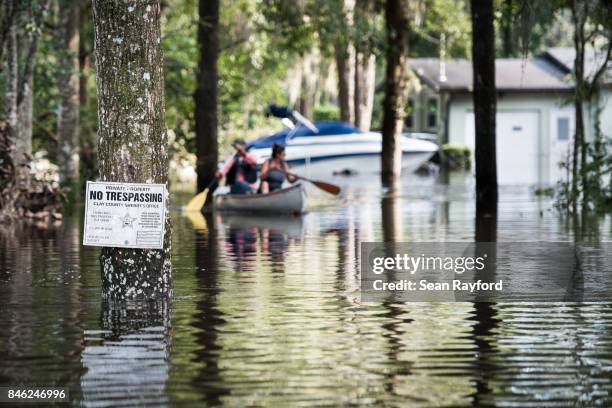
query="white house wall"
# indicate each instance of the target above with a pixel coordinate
(545, 105)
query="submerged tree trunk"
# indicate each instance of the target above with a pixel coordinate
(485, 104)
(365, 71)
(206, 93)
(396, 16)
(132, 140)
(68, 86)
(579, 16)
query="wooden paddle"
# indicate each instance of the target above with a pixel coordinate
(198, 201)
(327, 187)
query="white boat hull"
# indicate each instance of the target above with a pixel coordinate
(321, 156)
(291, 200)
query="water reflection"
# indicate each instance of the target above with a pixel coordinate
(244, 236)
(126, 360)
(266, 313)
(41, 304)
(208, 318)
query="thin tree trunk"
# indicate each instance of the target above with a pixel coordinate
(206, 93)
(579, 17)
(396, 16)
(68, 86)
(506, 23)
(345, 64)
(132, 140)
(307, 87)
(23, 137)
(365, 71)
(12, 73)
(485, 104)
(83, 53)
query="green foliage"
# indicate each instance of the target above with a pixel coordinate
(528, 27)
(596, 194)
(456, 157)
(326, 112)
(179, 27)
(435, 17)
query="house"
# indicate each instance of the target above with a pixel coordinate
(535, 115)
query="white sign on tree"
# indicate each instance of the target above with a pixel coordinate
(125, 215)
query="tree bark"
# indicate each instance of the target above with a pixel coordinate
(83, 53)
(396, 18)
(507, 21)
(206, 94)
(345, 64)
(579, 16)
(132, 139)
(307, 86)
(68, 86)
(485, 104)
(12, 72)
(365, 71)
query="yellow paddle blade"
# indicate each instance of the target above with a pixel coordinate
(197, 220)
(196, 202)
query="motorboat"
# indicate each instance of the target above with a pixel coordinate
(324, 148)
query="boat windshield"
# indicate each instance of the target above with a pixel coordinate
(325, 129)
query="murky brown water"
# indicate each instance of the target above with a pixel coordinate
(264, 314)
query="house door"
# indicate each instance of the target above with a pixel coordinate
(562, 130)
(517, 146)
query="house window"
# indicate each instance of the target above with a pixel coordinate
(432, 113)
(409, 121)
(562, 129)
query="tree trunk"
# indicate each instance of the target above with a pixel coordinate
(579, 15)
(485, 103)
(68, 86)
(132, 140)
(307, 87)
(206, 93)
(365, 71)
(396, 17)
(83, 53)
(23, 129)
(507, 21)
(12, 74)
(346, 72)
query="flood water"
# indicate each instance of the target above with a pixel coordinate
(266, 312)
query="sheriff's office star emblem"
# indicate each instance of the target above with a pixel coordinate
(127, 221)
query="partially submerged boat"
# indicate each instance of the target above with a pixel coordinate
(290, 200)
(322, 149)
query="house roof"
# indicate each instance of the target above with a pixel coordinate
(564, 58)
(513, 74)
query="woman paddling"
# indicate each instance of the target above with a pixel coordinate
(275, 170)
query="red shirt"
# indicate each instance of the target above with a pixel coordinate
(239, 174)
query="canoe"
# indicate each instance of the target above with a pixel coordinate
(291, 200)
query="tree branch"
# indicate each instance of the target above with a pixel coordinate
(602, 69)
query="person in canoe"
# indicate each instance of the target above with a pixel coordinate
(275, 170)
(240, 170)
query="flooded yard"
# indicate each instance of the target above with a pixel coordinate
(266, 312)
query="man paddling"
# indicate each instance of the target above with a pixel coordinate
(240, 170)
